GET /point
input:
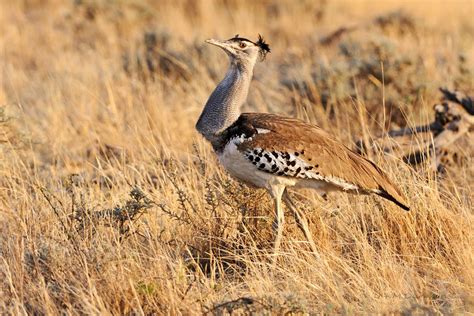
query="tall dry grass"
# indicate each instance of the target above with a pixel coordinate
(110, 202)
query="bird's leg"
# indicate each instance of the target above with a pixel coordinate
(276, 192)
(300, 220)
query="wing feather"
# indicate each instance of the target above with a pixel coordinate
(304, 145)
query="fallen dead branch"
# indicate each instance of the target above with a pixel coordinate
(454, 118)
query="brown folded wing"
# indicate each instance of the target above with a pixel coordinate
(328, 157)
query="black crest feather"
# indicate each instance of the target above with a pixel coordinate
(264, 47)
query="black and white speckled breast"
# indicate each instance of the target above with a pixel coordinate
(241, 129)
(281, 163)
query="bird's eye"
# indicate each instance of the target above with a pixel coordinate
(242, 45)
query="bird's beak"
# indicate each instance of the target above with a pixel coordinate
(218, 43)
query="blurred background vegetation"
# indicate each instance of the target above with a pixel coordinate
(111, 203)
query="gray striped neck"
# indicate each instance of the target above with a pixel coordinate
(223, 106)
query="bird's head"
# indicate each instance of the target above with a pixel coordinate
(242, 50)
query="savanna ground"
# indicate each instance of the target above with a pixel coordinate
(110, 201)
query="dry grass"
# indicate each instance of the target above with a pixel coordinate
(111, 203)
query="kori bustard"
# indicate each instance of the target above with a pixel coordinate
(275, 152)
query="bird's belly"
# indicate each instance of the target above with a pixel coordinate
(320, 186)
(242, 169)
